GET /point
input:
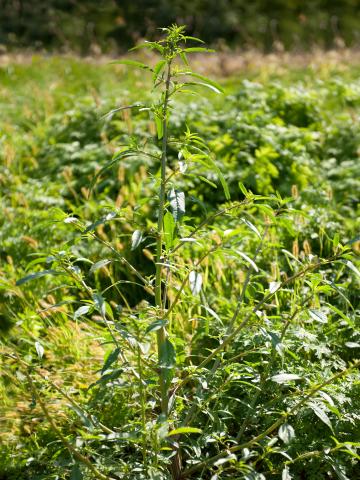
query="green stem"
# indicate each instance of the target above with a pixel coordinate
(161, 333)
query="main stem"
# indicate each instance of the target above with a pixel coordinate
(161, 333)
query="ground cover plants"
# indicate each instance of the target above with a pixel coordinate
(179, 279)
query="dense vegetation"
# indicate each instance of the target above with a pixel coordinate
(270, 273)
(116, 24)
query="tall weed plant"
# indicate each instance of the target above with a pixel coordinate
(237, 363)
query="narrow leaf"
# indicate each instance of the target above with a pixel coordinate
(180, 430)
(136, 239)
(99, 264)
(39, 350)
(195, 280)
(286, 433)
(177, 203)
(318, 316)
(112, 358)
(169, 230)
(252, 227)
(198, 49)
(76, 473)
(167, 358)
(157, 69)
(352, 267)
(285, 377)
(206, 80)
(33, 276)
(319, 412)
(159, 127)
(156, 325)
(81, 311)
(133, 63)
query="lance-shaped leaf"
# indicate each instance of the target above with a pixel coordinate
(195, 280)
(112, 358)
(169, 230)
(167, 358)
(39, 349)
(100, 264)
(286, 433)
(198, 49)
(204, 80)
(133, 63)
(177, 203)
(33, 276)
(285, 377)
(136, 239)
(157, 69)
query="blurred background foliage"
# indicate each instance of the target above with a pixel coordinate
(90, 26)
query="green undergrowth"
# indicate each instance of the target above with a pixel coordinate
(288, 148)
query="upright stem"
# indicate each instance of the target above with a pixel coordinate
(161, 333)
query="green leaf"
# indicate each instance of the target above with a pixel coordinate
(81, 311)
(150, 46)
(352, 267)
(286, 433)
(167, 357)
(159, 127)
(76, 473)
(106, 218)
(99, 303)
(157, 69)
(99, 264)
(251, 226)
(156, 325)
(320, 413)
(204, 179)
(201, 84)
(221, 177)
(195, 39)
(318, 315)
(195, 280)
(177, 203)
(133, 63)
(39, 350)
(198, 49)
(136, 239)
(184, 58)
(112, 358)
(285, 377)
(206, 80)
(82, 415)
(180, 430)
(169, 230)
(36, 275)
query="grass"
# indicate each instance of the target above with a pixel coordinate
(293, 131)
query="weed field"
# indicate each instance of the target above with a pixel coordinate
(199, 321)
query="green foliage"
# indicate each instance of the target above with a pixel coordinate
(255, 340)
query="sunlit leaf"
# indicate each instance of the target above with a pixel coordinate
(181, 430)
(195, 280)
(286, 433)
(136, 239)
(39, 350)
(285, 377)
(177, 203)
